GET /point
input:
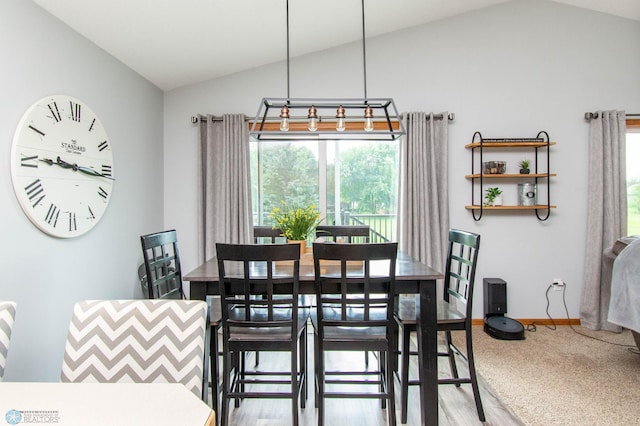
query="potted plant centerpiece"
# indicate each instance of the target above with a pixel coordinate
(524, 167)
(493, 196)
(296, 224)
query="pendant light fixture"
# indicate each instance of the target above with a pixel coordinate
(327, 119)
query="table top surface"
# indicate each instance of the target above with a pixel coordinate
(407, 268)
(76, 404)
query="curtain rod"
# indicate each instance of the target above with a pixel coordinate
(591, 115)
(450, 116)
(198, 118)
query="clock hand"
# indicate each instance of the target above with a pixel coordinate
(91, 172)
(86, 170)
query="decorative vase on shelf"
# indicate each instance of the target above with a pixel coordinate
(303, 245)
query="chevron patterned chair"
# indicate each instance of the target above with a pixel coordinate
(161, 278)
(7, 316)
(139, 341)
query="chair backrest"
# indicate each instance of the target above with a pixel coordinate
(138, 341)
(258, 286)
(262, 234)
(349, 234)
(7, 317)
(362, 293)
(462, 259)
(162, 265)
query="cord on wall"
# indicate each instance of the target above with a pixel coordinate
(561, 285)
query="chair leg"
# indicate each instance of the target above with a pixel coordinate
(302, 354)
(294, 385)
(473, 376)
(239, 375)
(451, 356)
(395, 354)
(226, 373)
(382, 368)
(404, 374)
(316, 377)
(391, 411)
(320, 383)
(214, 357)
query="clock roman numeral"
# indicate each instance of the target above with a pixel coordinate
(72, 222)
(103, 145)
(36, 130)
(35, 192)
(52, 215)
(92, 216)
(53, 107)
(106, 170)
(101, 192)
(31, 161)
(75, 111)
(92, 123)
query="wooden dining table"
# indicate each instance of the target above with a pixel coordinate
(412, 277)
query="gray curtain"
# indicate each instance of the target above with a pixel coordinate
(226, 183)
(423, 223)
(606, 212)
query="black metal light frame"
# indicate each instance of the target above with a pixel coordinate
(387, 124)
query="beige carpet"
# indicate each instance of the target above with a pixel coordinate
(562, 378)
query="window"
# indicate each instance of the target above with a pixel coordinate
(351, 182)
(633, 177)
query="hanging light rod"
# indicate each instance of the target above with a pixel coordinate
(321, 118)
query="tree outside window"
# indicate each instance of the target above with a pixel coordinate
(354, 182)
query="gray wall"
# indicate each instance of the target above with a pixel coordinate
(41, 56)
(507, 71)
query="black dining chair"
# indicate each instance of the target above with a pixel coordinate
(163, 275)
(268, 234)
(344, 233)
(163, 280)
(454, 314)
(355, 313)
(259, 288)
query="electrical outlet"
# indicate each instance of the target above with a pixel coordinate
(558, 284)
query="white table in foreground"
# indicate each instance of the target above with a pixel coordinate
(96, 404)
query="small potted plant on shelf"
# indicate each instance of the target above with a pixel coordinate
(297, 224)
(493, 196)
(524, 167)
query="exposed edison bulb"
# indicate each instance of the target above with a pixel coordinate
(313, 119)
(284, 119)
(340, 123)
(368, 119)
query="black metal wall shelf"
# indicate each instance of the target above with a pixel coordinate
(540, 142)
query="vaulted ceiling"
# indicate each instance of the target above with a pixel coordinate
(173, 43)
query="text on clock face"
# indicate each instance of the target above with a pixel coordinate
(73, 147)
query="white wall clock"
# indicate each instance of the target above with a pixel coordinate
(62, 166)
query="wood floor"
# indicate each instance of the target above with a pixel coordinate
(456, 405)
